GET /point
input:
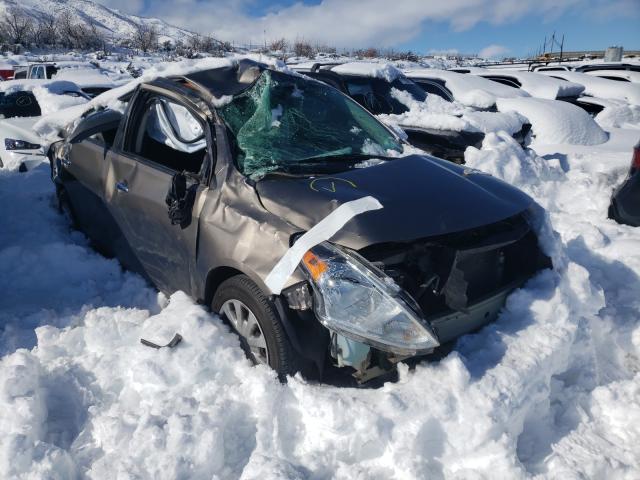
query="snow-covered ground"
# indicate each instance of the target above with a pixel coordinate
(550, 390)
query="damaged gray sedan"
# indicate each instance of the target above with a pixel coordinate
(290, 210)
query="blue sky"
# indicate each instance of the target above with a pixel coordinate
(501, 27)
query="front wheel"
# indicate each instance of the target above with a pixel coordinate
(241, 303)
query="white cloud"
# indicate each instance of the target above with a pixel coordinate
(493, 51)
(350, 23)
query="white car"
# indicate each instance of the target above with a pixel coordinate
(535, 84)
(602, 87)
(470, 90)
(22, 102)
(621, 72)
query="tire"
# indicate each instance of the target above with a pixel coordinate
(65, 208)
(271, 346)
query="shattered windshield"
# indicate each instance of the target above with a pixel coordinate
(375, 94)
(285, 121)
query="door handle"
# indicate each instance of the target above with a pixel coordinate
(122, 186)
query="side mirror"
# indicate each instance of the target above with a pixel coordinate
(180, 199)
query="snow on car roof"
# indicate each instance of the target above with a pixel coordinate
(52, 86)
(51, 95)
(86, 77)
(536, 84)
(627, 74)
(470, 90)
(556, 122)
(601, 87)
(385, 71)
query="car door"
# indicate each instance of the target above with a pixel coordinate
(164, 137)
(81, 174)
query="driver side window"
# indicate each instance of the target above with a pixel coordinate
(169, 134)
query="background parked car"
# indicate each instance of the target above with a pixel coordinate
(22, 102)
(621, 72)
(601, 87)
(625, 202)
(431, 124)
(535, 84)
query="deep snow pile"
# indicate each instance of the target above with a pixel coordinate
(551, 389)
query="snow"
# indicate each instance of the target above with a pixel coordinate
(470, 90)
(536, 84)
(435, 113)
(385, 71)
(602, 87)
(49, 94)
(549, 390)
(85, 77)
(111, 22)
(555, 121)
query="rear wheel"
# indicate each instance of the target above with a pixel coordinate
(241, 303)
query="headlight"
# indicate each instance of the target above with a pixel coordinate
(353, 298)
(13, 144)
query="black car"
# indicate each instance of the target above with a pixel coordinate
(625, 202)
(253, 189)
(375, 95)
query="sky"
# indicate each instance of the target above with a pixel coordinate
(490, 28)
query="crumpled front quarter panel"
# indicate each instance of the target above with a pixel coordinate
(237, 231)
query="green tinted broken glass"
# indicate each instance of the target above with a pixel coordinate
(285, 119)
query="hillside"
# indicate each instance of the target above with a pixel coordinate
(112, 22)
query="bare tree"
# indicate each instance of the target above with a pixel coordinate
(46, 30)
(17, 25)
(279, 45)
(302, 49)
(145, 37)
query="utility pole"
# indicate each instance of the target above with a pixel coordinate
(561, 47)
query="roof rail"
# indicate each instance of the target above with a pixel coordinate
(316, 66)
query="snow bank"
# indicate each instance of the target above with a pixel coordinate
(586, 426)
(470, 90)
(602, 87)
(556, 121)
(385, 71)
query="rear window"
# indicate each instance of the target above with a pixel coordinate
(19, 104)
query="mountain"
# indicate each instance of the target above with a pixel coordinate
(113, 23)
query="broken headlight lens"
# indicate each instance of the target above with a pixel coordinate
(353, 298)
(13, 144)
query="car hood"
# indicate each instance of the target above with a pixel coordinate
(421, 196)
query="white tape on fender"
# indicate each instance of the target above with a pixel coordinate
(323, 230)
